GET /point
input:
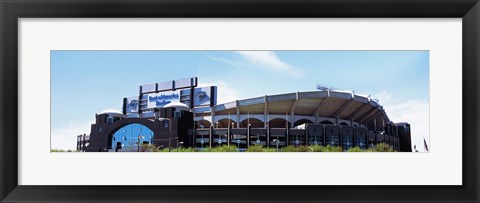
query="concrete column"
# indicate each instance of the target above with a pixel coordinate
(291, 119)
(210, 139)
(228, 135)
(265, 112)
(268, 136)
(238, 114)
(288, 135)
(212, 114)
(248, 136)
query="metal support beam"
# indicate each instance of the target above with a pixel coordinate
(366, 114)
(374, 115)
(342, 109)
(357, 112)
(319, 107)
(372, 118)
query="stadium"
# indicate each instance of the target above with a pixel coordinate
(177, 113)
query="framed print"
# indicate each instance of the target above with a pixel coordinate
(320, 101)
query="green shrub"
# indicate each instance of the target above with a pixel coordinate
(259, 148)
(147, 148)
(318, 148)
(381, 147)
(292, 148)
(182, 149)
(355, 149)
(165, 149)
(255, 148)
(330, 148)
(223, 148)
(270, 150)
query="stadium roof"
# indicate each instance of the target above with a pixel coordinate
(330, 103)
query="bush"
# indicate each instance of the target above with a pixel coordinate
(148, 148)
(223, 148)
(270, 150)
(182, 149)
(255, 148)
(381, 147)
(259, 148)
(296, 149)
(329, 148)
(355, 149)
(317, 148)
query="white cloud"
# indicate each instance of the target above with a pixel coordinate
(415, 112)
(66, 137)
(225, 93)
(266, 60)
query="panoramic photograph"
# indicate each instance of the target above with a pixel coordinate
(239, 101)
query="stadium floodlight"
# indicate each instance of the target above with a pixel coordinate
(324, 87)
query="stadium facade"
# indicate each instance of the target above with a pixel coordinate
(178, 113)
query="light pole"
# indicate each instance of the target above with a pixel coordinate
(179, 143)
(138, 143)
(276, 143)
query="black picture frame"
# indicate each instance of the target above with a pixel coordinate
(11, 10)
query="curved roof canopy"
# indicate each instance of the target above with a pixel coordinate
(331, 103)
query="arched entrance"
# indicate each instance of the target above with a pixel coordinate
(203, 124)
(326, 122)
(279, 123)
(254, 123)
(224, 123)
(301, 122)
(130, 136)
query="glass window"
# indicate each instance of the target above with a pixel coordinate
(315, 136)
(332, 140)
(347, 142)
(129, 136)
(361, 141)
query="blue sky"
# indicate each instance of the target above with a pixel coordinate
(86, 82)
